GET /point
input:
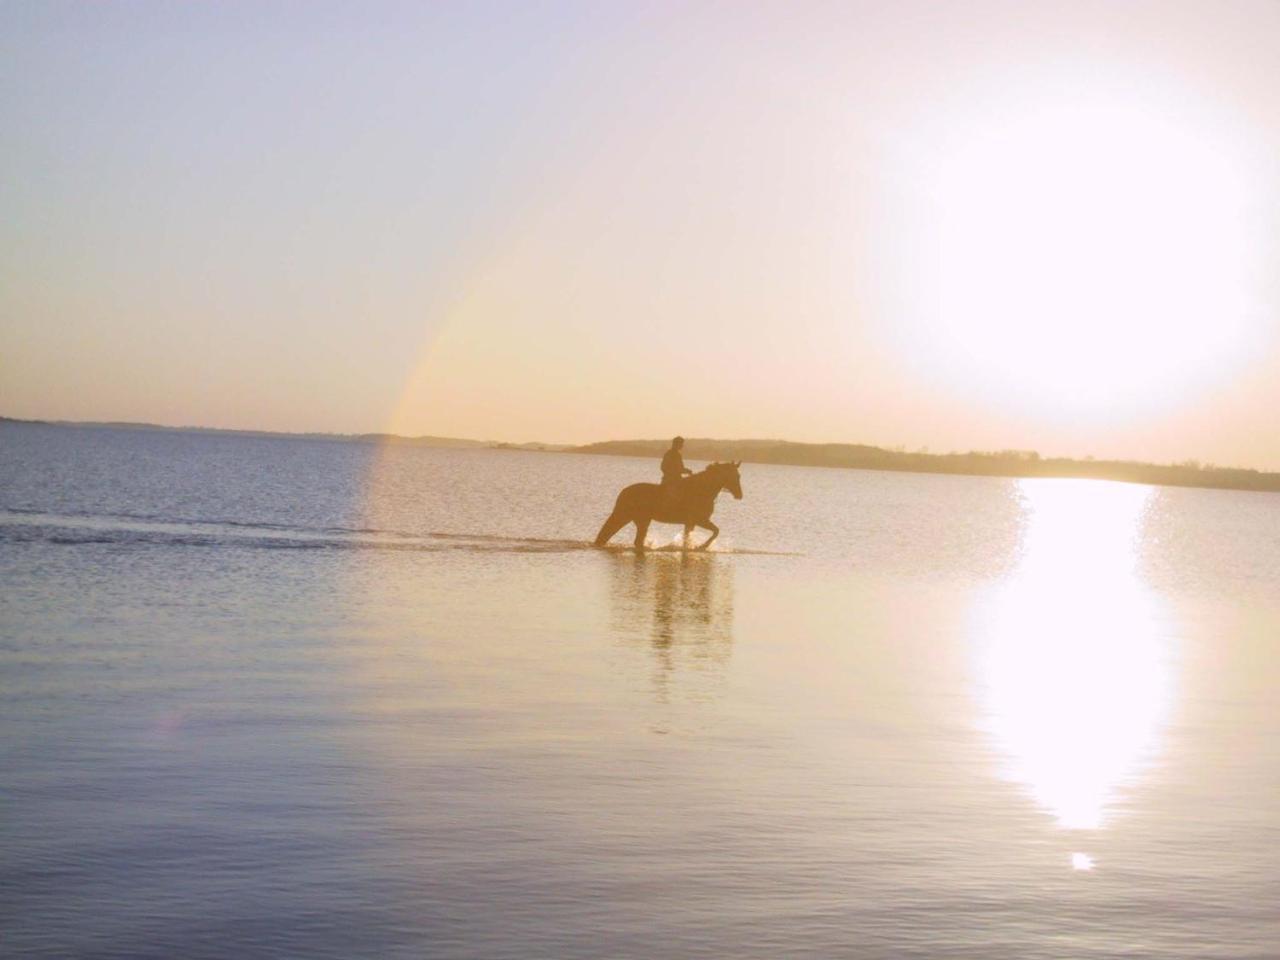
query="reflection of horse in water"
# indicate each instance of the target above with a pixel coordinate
(690, 503)
(681, 607)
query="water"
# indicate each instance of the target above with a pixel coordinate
(279, 698)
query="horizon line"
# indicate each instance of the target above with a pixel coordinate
(558, 446)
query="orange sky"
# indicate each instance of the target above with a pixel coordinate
(1001, 225)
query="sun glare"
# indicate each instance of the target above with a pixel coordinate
(1092, 258)
(1081, 861)
(1073, 670)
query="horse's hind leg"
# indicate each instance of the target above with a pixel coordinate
(688, 529)
(715, 532)
(612, 525)
(642, 530)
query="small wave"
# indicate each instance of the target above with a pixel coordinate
(72, 536)
(28, 526)
(78, 517)
(18, 526)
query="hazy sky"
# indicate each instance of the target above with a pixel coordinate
(983, 225)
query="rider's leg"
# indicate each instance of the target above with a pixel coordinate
(667, 491)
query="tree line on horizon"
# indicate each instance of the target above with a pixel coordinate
(1000, 463)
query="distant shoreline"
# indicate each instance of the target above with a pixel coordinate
(456, 443)
(1005, 463)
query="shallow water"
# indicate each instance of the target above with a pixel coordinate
(277, 698)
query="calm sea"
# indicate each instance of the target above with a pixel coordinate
(266, 697)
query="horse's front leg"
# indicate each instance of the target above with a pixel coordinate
(715, 532)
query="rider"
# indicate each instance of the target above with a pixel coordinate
(673, 469)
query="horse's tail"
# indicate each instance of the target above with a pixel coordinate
(615, 522)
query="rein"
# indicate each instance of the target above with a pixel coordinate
(707, 478)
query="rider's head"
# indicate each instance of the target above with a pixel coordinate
(677, 443)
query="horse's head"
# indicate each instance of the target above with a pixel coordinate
(729, 478)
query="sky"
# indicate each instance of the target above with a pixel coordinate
(984, 225)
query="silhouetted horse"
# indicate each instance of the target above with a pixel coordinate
(694, 499)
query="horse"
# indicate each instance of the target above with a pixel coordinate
(695, 498)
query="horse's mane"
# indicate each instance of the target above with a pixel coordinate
(713, 468)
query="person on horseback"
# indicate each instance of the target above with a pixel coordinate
(693, 500)
(673, 469)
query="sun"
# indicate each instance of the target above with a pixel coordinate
(1087, 255)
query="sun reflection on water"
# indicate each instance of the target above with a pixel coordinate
(1074, 671)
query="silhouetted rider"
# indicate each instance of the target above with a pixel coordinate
(673, 468)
